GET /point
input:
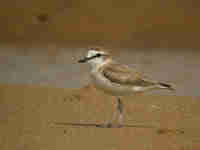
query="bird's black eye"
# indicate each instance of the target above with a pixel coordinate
(98, 55)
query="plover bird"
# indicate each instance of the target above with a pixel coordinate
(118, 80)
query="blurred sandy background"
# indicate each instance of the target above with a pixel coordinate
(137, 23)
(42, 83)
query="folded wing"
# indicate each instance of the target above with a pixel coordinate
(122, 74)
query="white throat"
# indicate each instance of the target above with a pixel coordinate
(97, 62)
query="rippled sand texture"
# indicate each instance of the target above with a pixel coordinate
(35, 117)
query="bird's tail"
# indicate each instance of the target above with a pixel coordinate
(162, 85)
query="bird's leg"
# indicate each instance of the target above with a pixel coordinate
(108, 123)
(120, 110)
(119, 107)
(117, 113)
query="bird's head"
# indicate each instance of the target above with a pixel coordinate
(95, 56)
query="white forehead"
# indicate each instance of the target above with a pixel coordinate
(94, 52)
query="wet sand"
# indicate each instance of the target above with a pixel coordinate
(57, 66)
(28, 117)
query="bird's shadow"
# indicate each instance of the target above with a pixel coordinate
(100, 125)
(158, 130)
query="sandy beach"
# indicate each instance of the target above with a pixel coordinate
(34, 117)
(46, 99)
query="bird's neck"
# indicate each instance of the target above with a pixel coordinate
(97, 63)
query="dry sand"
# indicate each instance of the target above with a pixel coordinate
(130, 23)
(28, 115)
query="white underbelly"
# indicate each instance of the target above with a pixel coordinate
(109, 87)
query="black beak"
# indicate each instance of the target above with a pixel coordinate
(85, 59)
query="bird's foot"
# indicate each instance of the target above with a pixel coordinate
(107, 124)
